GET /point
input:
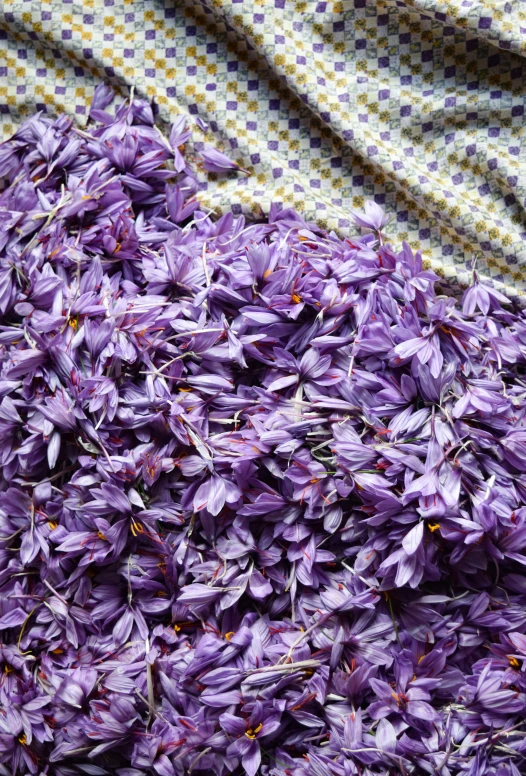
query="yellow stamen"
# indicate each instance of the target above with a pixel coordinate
(22, 739)
(267, 273)
(252, 733)
(296, 299)
(177, 628)
(514, 663)
(433, 527)
(100, 535)
(57, 651)
(52, 524)
(74, 323)
(136, 527)
(229, 635)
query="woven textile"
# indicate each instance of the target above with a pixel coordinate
(419, 105)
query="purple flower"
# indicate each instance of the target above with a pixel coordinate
(23, 730)
(489, 701)
(154, 749)
(201, 124)
(264, 720)
(111, 723)
(102, 97)
(408, 700)
(482, 297)
(426, 348)
(373, 218)
(216, 161)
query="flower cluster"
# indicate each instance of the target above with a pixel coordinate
(261, 489)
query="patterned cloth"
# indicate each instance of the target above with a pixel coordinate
(417, 104)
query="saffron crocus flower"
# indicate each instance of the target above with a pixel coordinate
(94, 546)
(201, 124)
(154, 750)
(23, 730)
(217, 161)
(489, 701)
(263, 721)
(373, 218)
(102, 97)
(179, 134)
(482, 297)
(409, 700)
(425, 348)
(111, 723)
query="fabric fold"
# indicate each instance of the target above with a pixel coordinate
(416, 105)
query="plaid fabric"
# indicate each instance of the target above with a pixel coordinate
(417, 104)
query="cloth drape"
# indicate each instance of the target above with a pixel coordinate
(417, 104)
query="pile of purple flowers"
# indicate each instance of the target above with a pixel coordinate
(261, 498)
